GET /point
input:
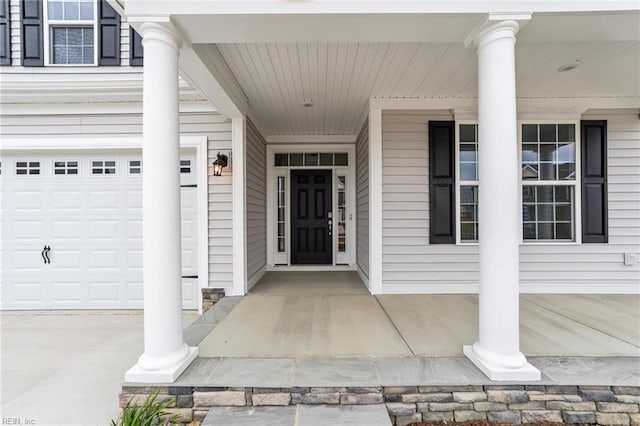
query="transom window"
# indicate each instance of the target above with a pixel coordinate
(71, 30)
(311, 159)
(548, 181)
(65, 167)
(27, 168)
(103, 167)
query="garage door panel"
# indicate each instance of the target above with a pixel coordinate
(104, 260)
(101, 201)
(68, 201)
(105, 230)
(68, 292)
(23, 202)
(64, 260)
(67, 230)
(134, 230)
(106, 291)
(31, 290)
(21, 231)
(134, 200)
(26, 260)
(134, 292)
(134, 260)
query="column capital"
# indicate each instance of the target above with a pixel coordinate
(496, 26)
(164, 32)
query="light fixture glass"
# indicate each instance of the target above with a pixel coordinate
(220, 163)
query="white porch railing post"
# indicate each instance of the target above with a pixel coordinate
(165, 353)
(497, 352)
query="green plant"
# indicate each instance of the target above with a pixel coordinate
(150, 413)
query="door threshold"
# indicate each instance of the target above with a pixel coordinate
(295, 268)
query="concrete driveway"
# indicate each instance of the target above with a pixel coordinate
(66, 367)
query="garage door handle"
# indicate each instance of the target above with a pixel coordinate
(45, 254)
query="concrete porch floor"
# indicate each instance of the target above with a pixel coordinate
(332, 315)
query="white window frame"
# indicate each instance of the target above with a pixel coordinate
(129, 166)
(66, 167)
(28, 175)
(458, 123)
(104, 166)
(576, 183)
(48, 24)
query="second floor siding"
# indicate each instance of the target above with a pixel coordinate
(16, 41)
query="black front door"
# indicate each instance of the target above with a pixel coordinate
(311, 239)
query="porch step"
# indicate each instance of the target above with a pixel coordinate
(299, 415)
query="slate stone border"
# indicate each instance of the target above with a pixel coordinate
(604, 405)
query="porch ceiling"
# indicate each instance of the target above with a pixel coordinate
(277, 62)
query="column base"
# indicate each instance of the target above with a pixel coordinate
(495, 368)
(166, 374)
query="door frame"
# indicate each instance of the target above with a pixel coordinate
(97, 144)
(282, 262)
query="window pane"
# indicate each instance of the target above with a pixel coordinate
(71, 11)
(467, 232)
(295, 159)
(529, 231)
(545, 194)
(563, 193)
(75, 55)
(545, 231)
(311, 159)
(567, 171)
(468, 171)
(545, 212)
(563, 212)
(529, 213)
(55, 10)
(326, 159)
(548, 133)
(563, 231)
(530, 133)
(530, 171)
(566, 133)
(468, 152)
(467, 133)
(86, 11)
(341, 159)
(281, 160)
(547, 152)
(530, 152)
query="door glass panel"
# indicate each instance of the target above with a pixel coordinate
(342, 213)
(281, 214)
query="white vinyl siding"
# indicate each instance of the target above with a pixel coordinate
(211, 125)
(411, 265)
(362, 199)
(256, 203)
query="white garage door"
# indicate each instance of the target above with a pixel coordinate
(72, 230)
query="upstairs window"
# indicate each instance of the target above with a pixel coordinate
(71, 29)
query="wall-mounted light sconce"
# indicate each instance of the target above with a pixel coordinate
(219, 164)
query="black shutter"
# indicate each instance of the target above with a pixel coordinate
(108, 34)
(442, 182)
(136, 58)
(594, 181)
(31, 33)
(5, 33)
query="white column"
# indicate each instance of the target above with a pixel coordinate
(375, 201)
(165, 353)
(238, 143)
(497, 352)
